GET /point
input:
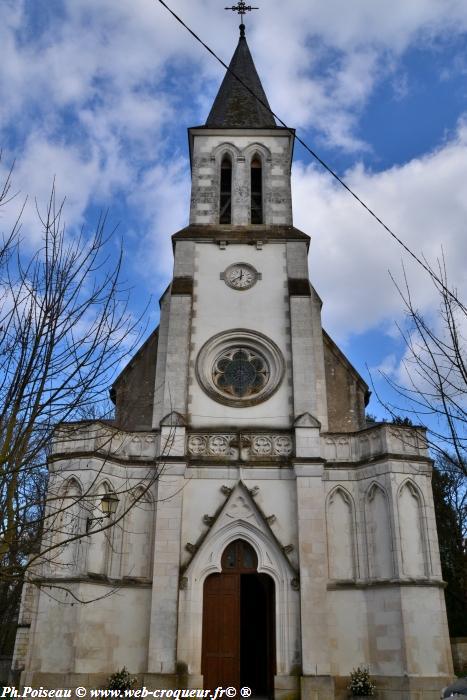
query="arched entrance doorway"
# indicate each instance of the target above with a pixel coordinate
(238, 624)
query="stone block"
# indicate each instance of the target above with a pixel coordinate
(155, 681)
(317, 687)
(286, 687)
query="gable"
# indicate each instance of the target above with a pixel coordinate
(239, 518)
(346, 391)
(133, 390)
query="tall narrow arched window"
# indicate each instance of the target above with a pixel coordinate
(225, 204)
(256, 191)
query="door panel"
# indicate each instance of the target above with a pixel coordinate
(221, 631)
(238, 624)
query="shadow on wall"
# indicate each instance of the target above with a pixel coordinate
(5, 666)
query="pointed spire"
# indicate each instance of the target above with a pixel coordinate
(235, 107)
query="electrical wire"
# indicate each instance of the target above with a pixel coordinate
(370, 211)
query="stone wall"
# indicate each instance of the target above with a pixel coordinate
(208, 147)
(133, 391)
(248, 310)
(459, 655)
(347, 393)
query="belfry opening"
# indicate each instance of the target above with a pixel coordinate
(239, 624)
(256, 191)
(225, 204)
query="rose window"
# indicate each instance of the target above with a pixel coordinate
(240, 372)
(239, 367)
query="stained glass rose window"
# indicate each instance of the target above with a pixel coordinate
(240, 367)
(240, 372)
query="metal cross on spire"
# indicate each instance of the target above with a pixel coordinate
(241, 7)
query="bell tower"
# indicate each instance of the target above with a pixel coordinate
(240, 159)
(250, 333)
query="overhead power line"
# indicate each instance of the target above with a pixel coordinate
(342, 182)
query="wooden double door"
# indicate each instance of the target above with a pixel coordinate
(238, 624)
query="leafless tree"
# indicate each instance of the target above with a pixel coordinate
(65, 330)
(432, 391)
(433, 387)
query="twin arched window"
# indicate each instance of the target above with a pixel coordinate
(225, 208)
(256, 191)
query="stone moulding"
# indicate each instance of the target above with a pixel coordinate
(338, 585)
(371, 443)
(95, 580)
(245, 446)
(103, 439)
(336, 448)
(250, 341)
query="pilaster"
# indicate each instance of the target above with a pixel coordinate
(309, 383)
(171, 384)
(164, 603)
(240, 193)
(313, 569)
(161, 358)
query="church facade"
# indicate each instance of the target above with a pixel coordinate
(264, 534)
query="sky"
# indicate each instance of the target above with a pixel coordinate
(98, 94)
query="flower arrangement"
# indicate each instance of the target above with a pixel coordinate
(121, 680)
(360, 683)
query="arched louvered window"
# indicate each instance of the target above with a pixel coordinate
(225, 204)
(256, 191)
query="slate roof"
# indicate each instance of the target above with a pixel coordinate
(235, 107)
(240, 234)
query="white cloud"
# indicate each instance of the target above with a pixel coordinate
(424, 203)
(359, 42)
(102, 84)
(99, 56)
(162, 199)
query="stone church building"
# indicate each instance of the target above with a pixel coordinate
(264, 535)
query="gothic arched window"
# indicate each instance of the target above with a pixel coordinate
(239, 557)
(225, 204)
(256, 191)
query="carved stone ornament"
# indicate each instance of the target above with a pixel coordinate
(239, 509)
(197, 444)
(230, 445)
(295, 584)
(240, 367)
(262, 445)
(183, 583)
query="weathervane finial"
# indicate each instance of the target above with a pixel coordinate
(242, 8)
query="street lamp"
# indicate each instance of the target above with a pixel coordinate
(108, 505)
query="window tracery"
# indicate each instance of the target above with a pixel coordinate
(240, 367)
(240, 372)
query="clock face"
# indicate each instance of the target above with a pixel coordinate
(240, 276)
